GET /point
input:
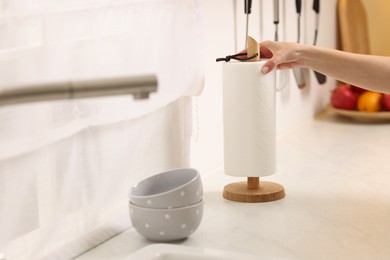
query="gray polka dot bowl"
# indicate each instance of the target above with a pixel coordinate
(165, 225)
(170, 189)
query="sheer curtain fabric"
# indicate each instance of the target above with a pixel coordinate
(66, 166)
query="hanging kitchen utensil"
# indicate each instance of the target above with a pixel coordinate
(316, 8)
(298, 73)
(248, 9)
(276, 18)
(321, 78)
(298, 8)
(280, 75)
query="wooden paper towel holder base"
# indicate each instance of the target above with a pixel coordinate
(253, 191)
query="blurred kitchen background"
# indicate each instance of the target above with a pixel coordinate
(66, 166)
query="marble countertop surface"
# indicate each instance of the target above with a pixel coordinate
(336, 174)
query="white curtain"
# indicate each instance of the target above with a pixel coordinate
(66, 166)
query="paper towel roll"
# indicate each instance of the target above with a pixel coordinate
(249, 120)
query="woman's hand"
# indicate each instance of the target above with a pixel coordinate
(366, 71)
(281, 55)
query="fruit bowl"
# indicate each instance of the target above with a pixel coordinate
(362, 116)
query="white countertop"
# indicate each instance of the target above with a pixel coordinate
(336, 174)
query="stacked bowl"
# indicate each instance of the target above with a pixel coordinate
(167, 206)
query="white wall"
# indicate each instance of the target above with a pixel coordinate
(222, 37)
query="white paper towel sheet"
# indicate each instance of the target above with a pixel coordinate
(249, 120)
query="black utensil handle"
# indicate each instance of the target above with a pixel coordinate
(316, 6)
(298, 6)
(248, 6)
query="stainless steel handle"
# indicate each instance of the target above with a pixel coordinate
(276, 11)
(276, 18)
(138, 86)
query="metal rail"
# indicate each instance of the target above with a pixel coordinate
(138, 86)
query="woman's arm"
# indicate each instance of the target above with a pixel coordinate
(366, 71)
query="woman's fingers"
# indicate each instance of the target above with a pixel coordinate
(281, 55)
(268, 66)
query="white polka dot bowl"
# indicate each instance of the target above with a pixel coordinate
(165, 225)
(170, 189)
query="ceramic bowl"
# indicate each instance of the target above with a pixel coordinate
(164, 225)
(171, 189)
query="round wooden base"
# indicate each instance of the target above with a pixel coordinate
(267, 191)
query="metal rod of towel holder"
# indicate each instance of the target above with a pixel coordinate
(138, 86)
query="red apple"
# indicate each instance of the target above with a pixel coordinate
(386, 102)
(357, 89)
(344, 98)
